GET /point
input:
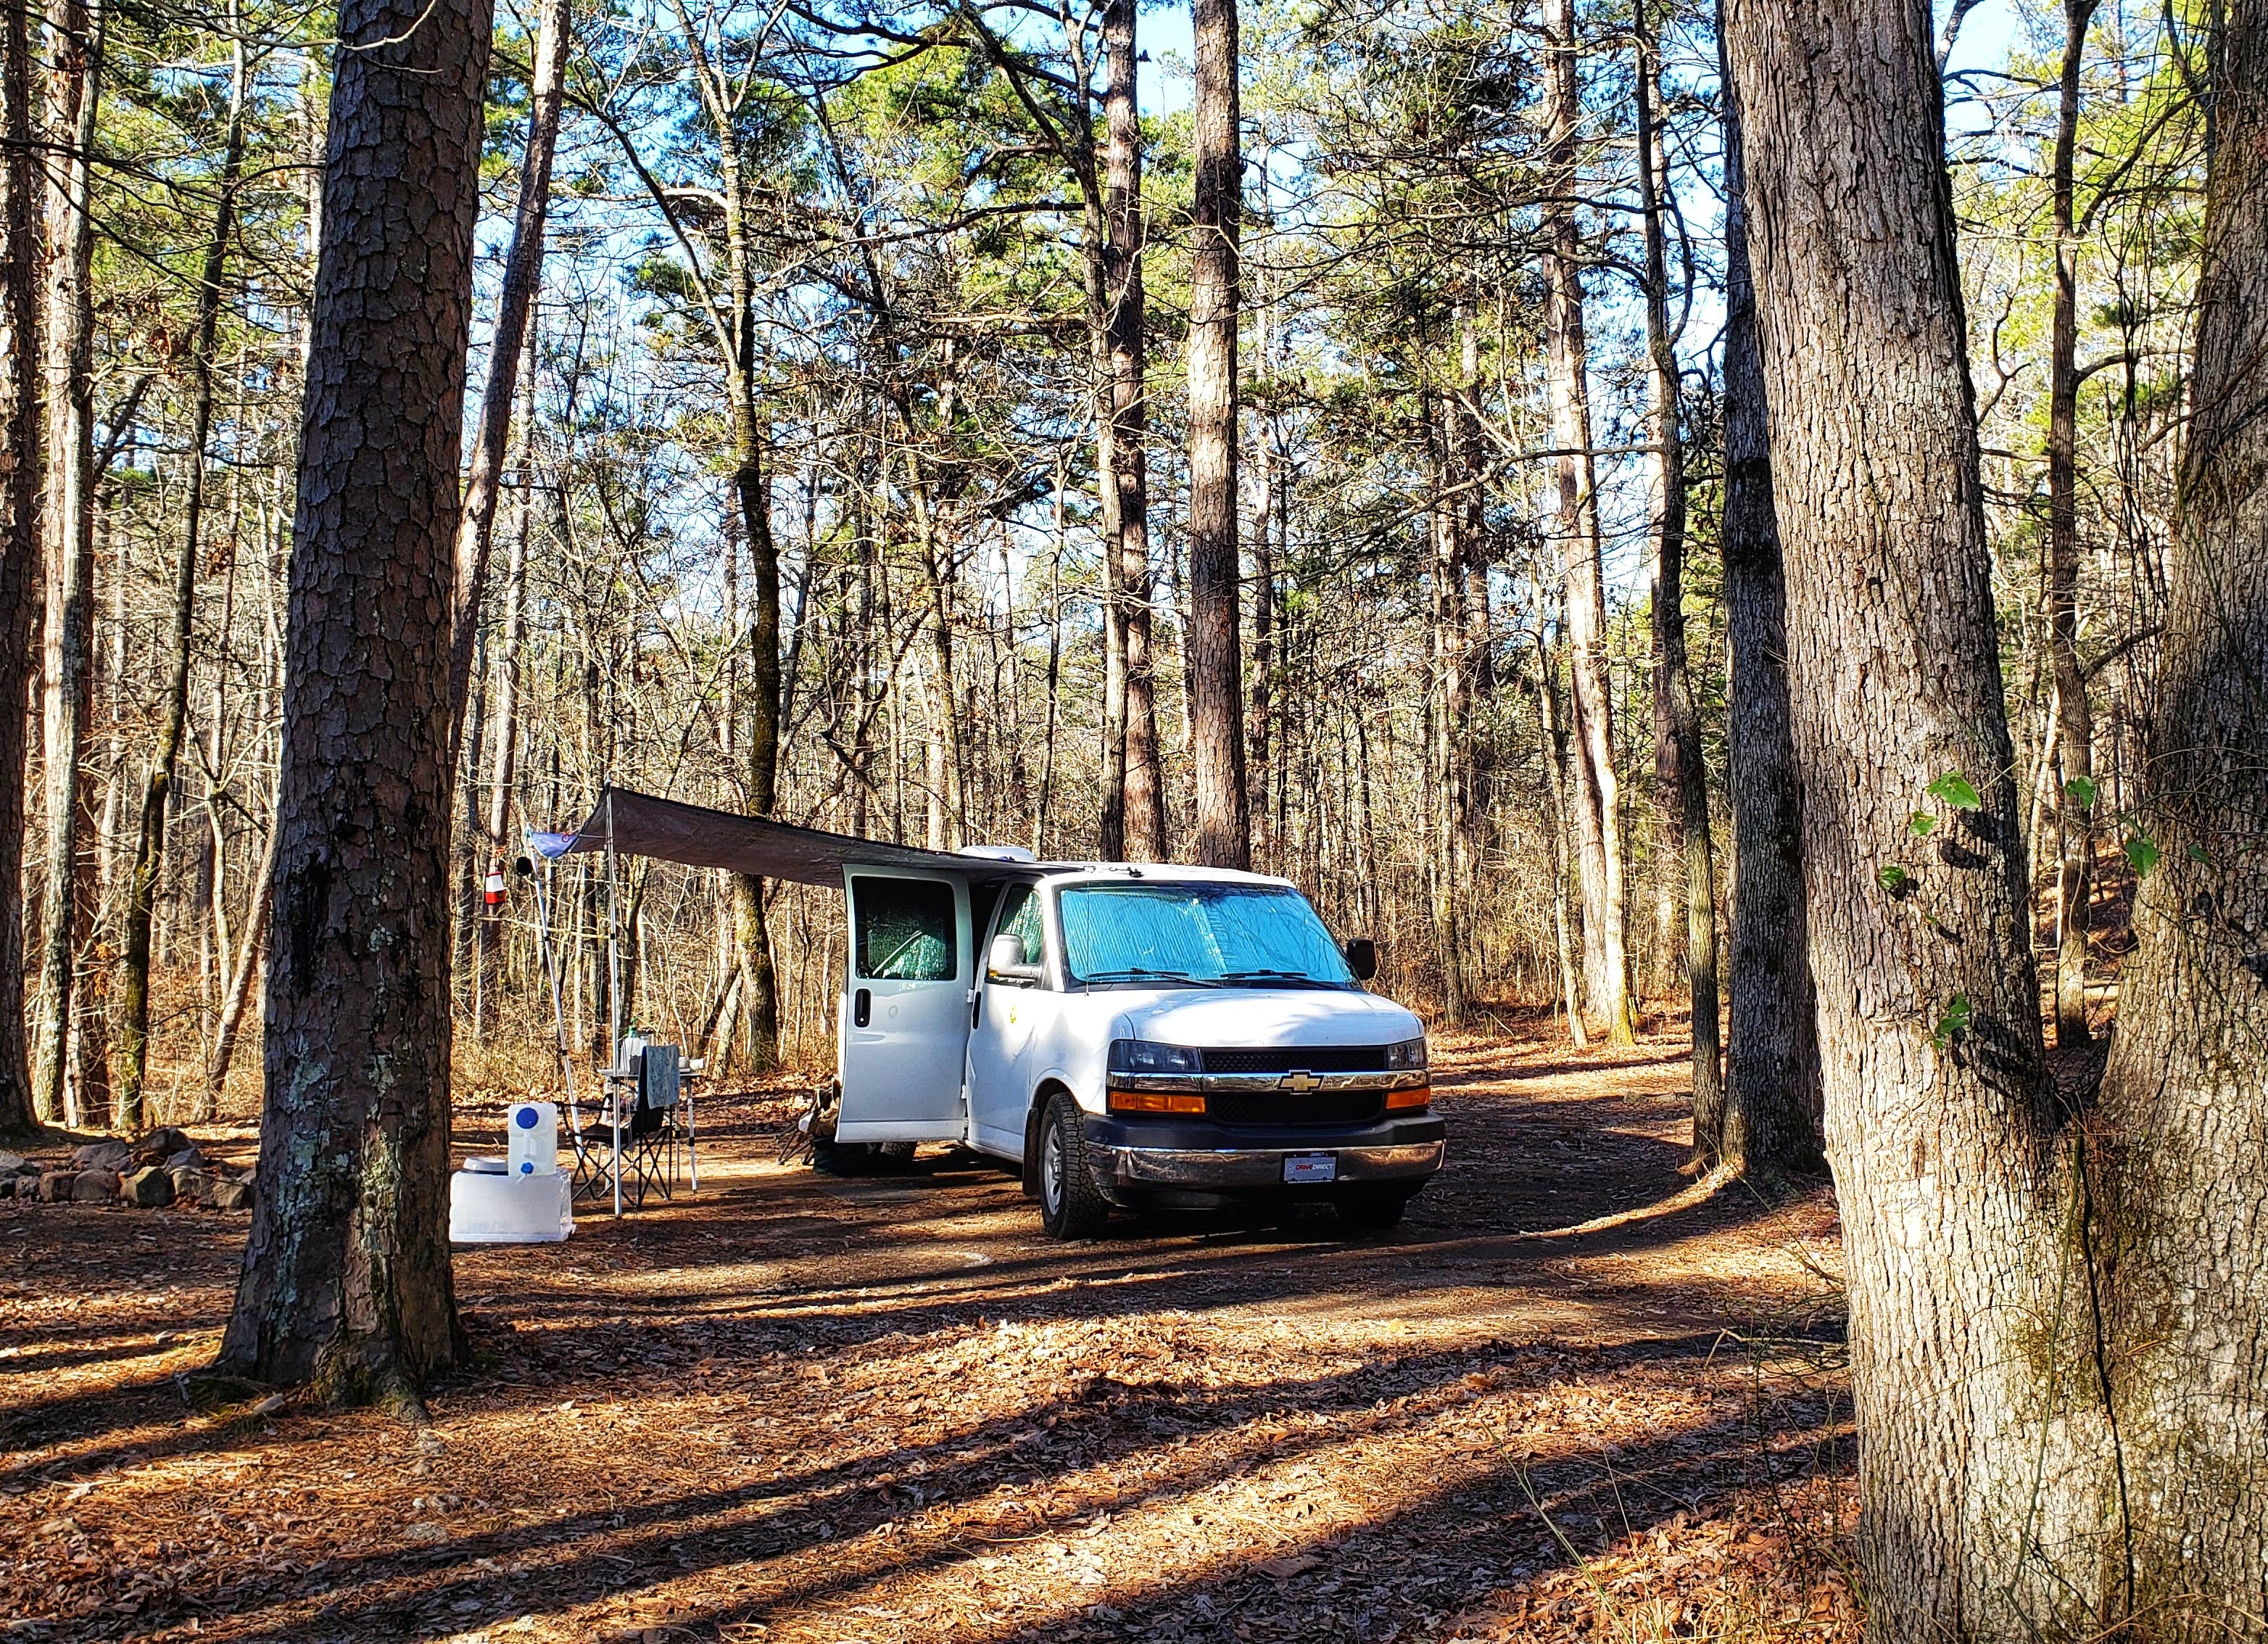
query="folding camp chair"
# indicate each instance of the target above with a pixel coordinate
(656, 1141)
(637, 1132)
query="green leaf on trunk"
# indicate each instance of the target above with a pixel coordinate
(2080, 790)
(2142, 853)
(1954, 1022)
(1956, 791)
(1921, 823)
(1892, 878)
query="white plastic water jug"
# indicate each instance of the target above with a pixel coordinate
(533, 1129)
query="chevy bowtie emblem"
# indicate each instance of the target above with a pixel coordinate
(1300, 1081)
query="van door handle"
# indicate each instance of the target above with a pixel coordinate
(862, 1007)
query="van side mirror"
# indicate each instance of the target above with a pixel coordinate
(1005, 960)
(1362, 958)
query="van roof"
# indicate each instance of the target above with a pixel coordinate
(1152, 873)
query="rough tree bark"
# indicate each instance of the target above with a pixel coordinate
(1940, 1113)
(1598, 788)
(1216, 662)
(75, 90)
(22, 475)
(2074, 725)
(2185, 1098)
(1768, 1119)
(346, 1280)
(1689, 777)
(141, 886)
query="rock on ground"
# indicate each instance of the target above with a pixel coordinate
(95, 1187)
(165, 1140)
(150, 1188)
(231, 1195)
(102, 1156)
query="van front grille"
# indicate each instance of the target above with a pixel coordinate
(1314, 1058)
(1289, 1107)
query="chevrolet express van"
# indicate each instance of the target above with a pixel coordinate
(1131, 1036)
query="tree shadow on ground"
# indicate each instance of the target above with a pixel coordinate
(734, 1298)
(1486, 1527)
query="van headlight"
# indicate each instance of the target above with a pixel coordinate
(1409, 1057)
(1141, 1056)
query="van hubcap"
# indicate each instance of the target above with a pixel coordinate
(1051, 1170)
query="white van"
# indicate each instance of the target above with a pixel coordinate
(1126, 1036)
(1131, 1036)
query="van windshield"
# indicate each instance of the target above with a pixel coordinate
(1197, 935)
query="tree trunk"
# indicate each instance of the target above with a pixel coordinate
(1690, 775)
(1555, 787)
(346, 1280)
(504, 715)
(141, 886)
(2177, 1240)
(1110, 820)
(523, 275)
(1259, 741)
(1145, 776)
(1133, 786)
(2074, 725)
(760, 996)
(241, 978)
(1770, 1117)
(1448, 712)
(752, 492)
(1215, 662)
(74, 92)
(1598, 795)
(1938, 1110)
(21, 545)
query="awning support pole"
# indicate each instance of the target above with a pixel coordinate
(614, 994)
(558, 1007)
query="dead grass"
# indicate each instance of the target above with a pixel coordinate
(794, 1408)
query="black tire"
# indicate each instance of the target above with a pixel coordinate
(830, 1157)
(1370, 1212)
(1071, 1206)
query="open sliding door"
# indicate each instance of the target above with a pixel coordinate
(903, 1025)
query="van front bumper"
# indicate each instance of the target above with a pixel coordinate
(1142, 1159)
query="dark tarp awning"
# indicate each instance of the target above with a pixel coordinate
(673, 831)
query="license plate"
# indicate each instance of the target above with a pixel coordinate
(1309, 1168)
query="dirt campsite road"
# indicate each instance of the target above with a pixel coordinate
(796, 1408)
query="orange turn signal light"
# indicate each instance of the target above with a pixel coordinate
(1422, 1096)
(1157, 1102)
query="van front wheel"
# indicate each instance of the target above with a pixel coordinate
(1071, 1206)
